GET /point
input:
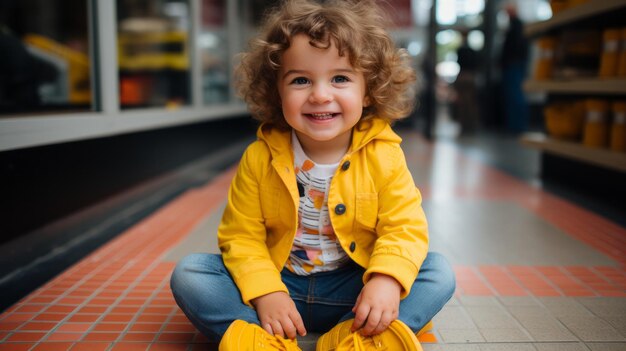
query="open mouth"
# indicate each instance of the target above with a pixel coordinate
(321, 116)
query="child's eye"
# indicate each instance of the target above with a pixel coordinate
(340, 79)
(300, 81)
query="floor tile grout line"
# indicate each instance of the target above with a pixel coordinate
(544, 278)
(590, 215)
(585, 239)
(102, 314)
(64, 294)
(502, 307)
(74, 287)
(159, 260)
(136, 316)
(565, 325)
(596, 274)
(120, 337)
(580, 283)
(64, 320)
(559, 286)
(469, 317)
(519, 323)
(518, 182)
(502, 268)
(623, 287)
(528, 280)
(519, 283)
(120, 272)
(477, 272)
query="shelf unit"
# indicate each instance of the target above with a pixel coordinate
(599, 157)
(575, 14)
(614, 87)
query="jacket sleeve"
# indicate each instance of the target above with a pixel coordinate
(242, 234)
(402, 230)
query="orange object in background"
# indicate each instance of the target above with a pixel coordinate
(558, 6)
(609, 60)
(135, 90)
(618, 127)
(564, 120)
(596, 130)
(545, 60)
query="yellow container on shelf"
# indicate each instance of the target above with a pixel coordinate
(618, 127)
(596, 130)
(564, 120)
(609, 60)
(545, 59)
(621, 65)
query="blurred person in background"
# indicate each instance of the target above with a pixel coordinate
(513, 61)
(465, 108)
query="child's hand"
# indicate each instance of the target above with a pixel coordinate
(278, 315)
(377, 305)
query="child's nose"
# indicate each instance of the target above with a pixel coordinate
(320, 94)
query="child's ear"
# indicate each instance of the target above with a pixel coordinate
(366, 101)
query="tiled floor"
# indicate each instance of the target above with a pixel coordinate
(534, 272)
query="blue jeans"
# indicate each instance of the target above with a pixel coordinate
(207, 294)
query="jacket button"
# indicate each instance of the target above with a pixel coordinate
(345, 165)
(352, 246)
(340, 209)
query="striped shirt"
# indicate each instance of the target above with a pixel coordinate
(315, 248)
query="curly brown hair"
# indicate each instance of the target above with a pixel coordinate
(356, 27)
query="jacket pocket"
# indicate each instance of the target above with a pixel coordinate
(367, 209)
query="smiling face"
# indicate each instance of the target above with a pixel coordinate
(322, 95)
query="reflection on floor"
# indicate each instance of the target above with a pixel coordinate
(534, 271)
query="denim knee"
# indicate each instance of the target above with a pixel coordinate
(188, 266)
(446, 280)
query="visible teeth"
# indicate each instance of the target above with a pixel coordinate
(322, 115)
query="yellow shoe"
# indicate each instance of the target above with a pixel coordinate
(425, 329)
(398, 337)
(244, 336)
(332, 338)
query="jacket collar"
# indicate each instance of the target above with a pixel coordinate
(279, 142)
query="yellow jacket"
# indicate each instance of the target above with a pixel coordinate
(375, 210)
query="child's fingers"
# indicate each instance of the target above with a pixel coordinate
(277, 328)
(290, 330)
(358, 301)
(298, 323)
(360, 316)
(373, 319)
(268, 328)
(385, 321)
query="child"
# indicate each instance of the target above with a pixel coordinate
(323, 230)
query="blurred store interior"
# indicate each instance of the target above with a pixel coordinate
(111, 108)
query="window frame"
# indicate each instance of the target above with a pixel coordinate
(108, 118)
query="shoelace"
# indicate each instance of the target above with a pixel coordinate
(279, 343)
(358, 344)
(287, 344)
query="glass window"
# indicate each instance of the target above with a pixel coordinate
(153, 53)
(214, 51)
(460, 12)
(44, 56)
